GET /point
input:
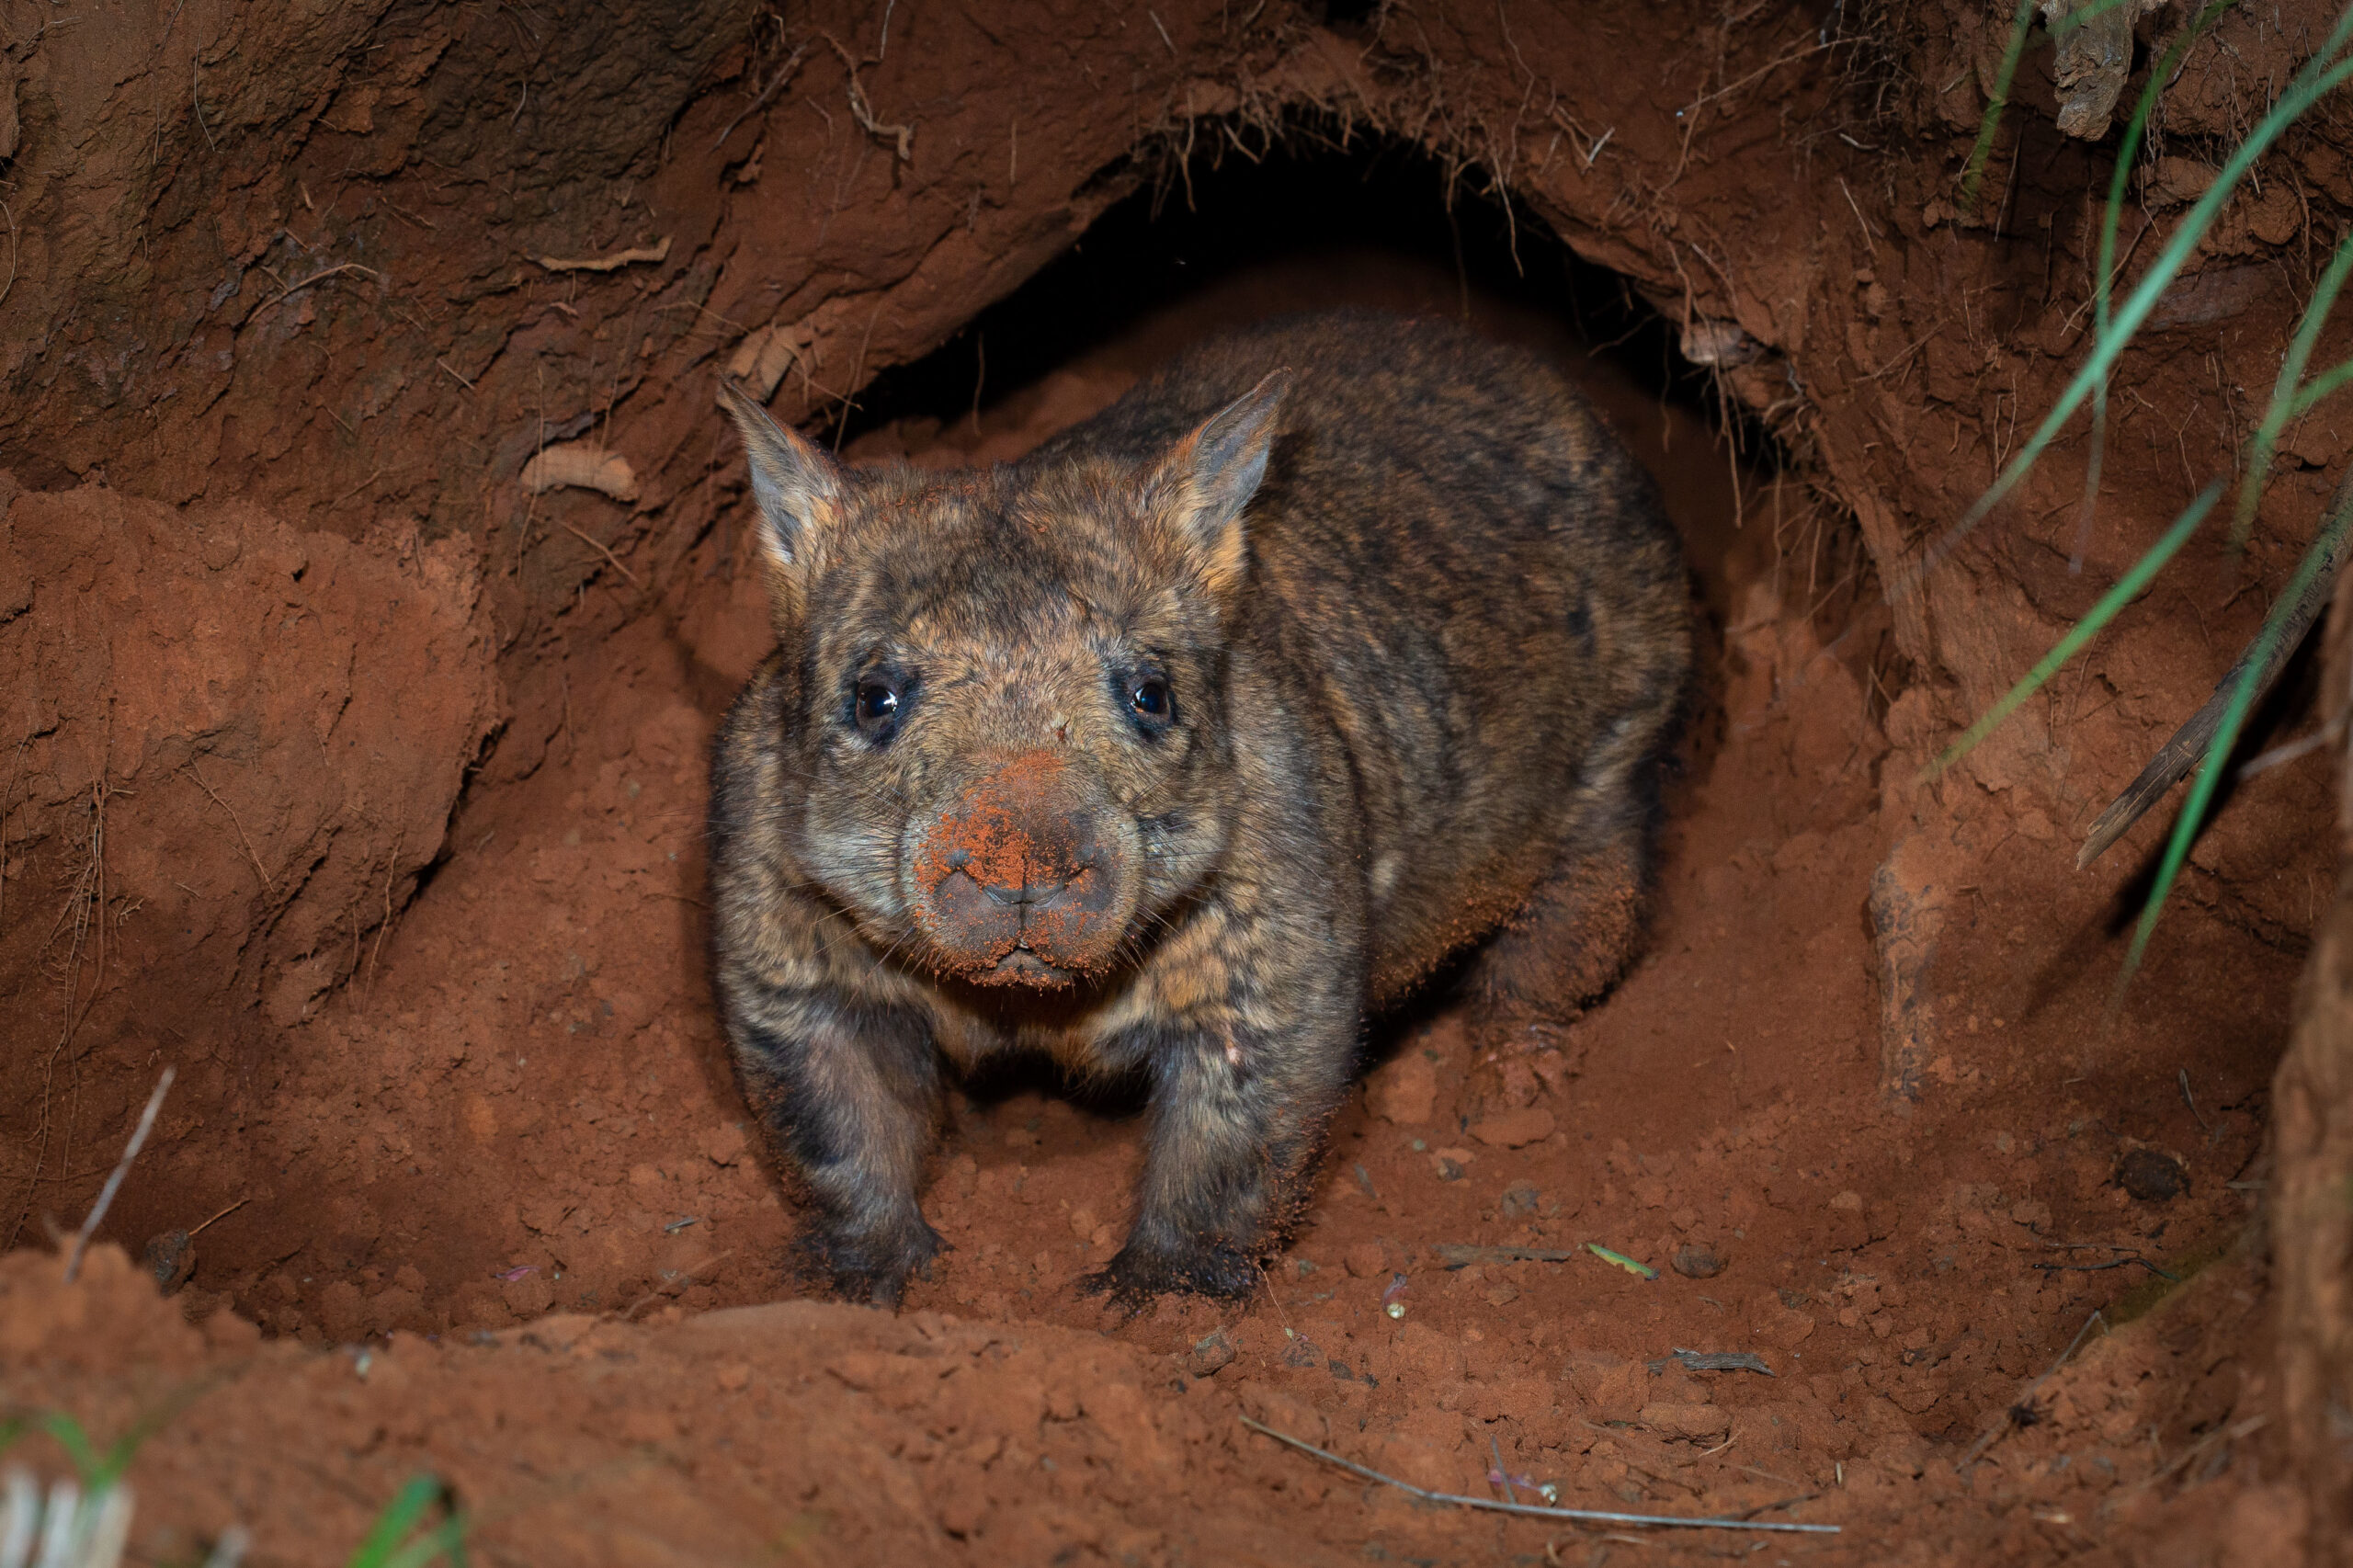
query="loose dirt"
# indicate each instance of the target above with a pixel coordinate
(366, 787)
(514, 1149)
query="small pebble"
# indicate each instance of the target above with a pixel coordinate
(1698, 1260)
(171, 1258)
(2151, 1177)
(1213, 1352)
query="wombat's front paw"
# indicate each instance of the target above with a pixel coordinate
(1138, 1274)
(869, 1266)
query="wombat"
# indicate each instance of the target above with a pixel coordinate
(1178, 747)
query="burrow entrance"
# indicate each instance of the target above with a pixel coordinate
(468, 1075)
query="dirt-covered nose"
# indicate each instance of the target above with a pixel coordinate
(1012, 881)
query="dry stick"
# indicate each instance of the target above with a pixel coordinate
(199, 1229)
(326, 272)
(1503, 1476)
(121, 1169)
(1591, 1516)
(217, 801)
(600, 550)
(2178, 755)
(5, 287)
(765, 94)
(2034, 1388)
(2203, 1125)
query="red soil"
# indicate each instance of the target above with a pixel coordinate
(526, 1110)
(437, 993)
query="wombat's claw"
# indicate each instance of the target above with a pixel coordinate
(1133, 1278)
(871, 1270)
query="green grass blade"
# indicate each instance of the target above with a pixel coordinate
(394, 1525)
(2285, 392)
(2320, 75)
(79, 1450)
(2210, 772)
(2019, 27)
(2127, 151)
(2320, 386)
(2093, 459)
(446, 1538)
(2128, 587)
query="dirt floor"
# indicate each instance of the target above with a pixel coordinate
(383, 824)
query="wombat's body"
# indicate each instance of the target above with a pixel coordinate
(1128, 754)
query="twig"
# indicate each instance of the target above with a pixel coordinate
(1503, 1476)
(903, 137)
(2178, 755)
(1454, 1254)
(2220, 1435)
(767, 93)
(195, 75)
(2203, 1124)
(1714, 1361)
(1591, 1516)
(599, 549)
(225, 805)
(327, 272)
(355, 489)
(2101, 1267)
(121, 1169)
(1869, 239)
(658, 251)
(2289, 751)
(686, 1277)
(1280, 1316)
(2032, 1389)
(12, 254)
(222, 1215)
(392, 865)
(454, 375)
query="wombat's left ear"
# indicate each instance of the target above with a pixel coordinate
(798, 487)
(1215, 471)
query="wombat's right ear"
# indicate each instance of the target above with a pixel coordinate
(1214, 471)
(796, 487)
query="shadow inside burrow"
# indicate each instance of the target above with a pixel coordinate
(1314, 225)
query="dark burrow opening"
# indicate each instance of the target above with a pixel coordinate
(1233, 234)
(1307, 222)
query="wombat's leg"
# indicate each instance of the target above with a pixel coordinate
(1233, 1129)
(1572, 939)
(851, 1093)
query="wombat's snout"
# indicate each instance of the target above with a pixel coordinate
(1016, 883)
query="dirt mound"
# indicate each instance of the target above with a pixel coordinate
(310, 294)
(843, 1434)
(234, 747)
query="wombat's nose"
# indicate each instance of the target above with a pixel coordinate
(1034, 890)
(1011, 876)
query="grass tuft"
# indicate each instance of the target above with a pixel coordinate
(2114, 330)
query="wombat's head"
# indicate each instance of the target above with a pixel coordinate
(1005, 689)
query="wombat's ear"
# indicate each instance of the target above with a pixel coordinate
(796, 487)
(1216, 470)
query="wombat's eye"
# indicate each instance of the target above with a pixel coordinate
(876, 707)
(1151, 701)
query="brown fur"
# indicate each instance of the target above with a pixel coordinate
(1416, 679)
